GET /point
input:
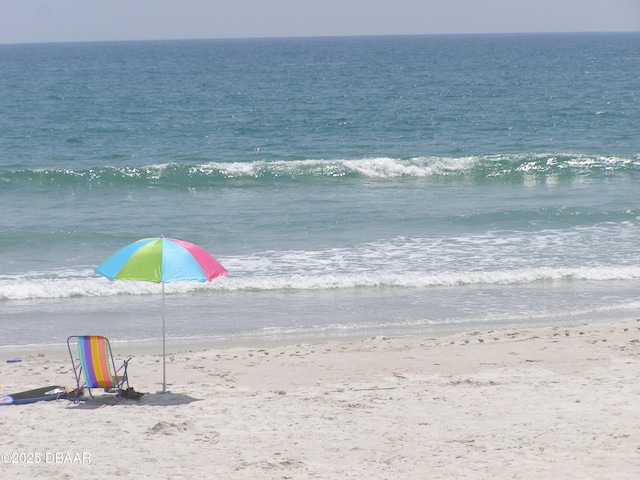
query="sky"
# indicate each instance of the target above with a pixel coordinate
(28, 21)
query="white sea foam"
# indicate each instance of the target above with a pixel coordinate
(424, 166)
(20, 288)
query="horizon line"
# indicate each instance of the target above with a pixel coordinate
(293, 37)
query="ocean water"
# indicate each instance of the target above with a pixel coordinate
(351, 186)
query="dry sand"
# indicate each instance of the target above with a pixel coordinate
(528, 404)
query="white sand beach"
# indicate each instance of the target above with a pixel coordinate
(560, 402)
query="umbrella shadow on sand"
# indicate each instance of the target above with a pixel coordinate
(160, 399)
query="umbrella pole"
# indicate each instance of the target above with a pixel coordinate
(164, 376)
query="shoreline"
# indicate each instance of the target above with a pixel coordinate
(547, 402)
(154, 347)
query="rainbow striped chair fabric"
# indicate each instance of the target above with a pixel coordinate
(93, 367)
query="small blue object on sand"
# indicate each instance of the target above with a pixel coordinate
(14, 360)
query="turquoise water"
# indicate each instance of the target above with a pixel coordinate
(349, 185)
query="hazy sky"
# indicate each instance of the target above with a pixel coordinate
(89, 20)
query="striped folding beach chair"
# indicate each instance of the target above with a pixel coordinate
(94, 366)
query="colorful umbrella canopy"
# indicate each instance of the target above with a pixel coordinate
(161, 260)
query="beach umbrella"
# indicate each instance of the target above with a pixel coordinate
(161, 260)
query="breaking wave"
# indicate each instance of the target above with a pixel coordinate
(506, 168)
(85, 284)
